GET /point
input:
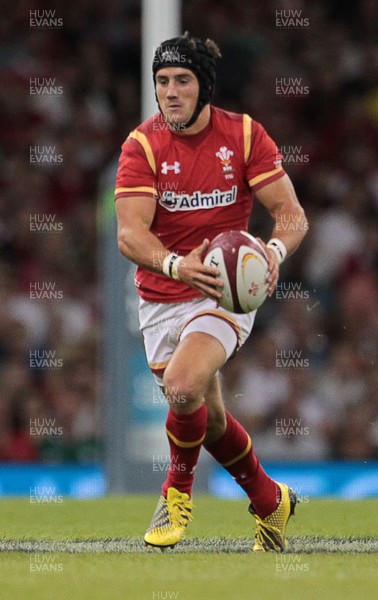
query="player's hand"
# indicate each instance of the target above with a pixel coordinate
(273, 268)
(204, 279)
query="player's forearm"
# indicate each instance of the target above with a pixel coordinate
(142, 247)
(290, 227)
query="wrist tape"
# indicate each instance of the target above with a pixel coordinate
(278, 248)
(170, 265)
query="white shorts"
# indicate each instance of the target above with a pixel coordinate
(165, 325)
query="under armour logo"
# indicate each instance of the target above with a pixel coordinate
(165, 167)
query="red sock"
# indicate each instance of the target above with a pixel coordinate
(185, 435)
(234, 452)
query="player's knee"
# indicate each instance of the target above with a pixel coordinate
(180, 389)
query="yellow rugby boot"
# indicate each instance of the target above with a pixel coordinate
(270, 532)
(172, 515)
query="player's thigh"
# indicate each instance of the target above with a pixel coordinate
(193, 364)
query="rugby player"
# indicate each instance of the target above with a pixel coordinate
(185, 175)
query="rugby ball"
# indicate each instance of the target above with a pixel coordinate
(243, 266)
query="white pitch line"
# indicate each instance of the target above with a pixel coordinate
(297, 545)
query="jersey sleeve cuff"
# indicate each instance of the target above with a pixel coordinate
(127, 192)
(260, 181)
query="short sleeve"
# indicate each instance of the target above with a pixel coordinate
(264, 163)
(135, 175)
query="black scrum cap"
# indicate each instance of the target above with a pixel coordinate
(194, 54)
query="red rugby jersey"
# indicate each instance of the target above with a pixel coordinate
(203, 185)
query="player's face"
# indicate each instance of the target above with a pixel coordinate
(177, 92)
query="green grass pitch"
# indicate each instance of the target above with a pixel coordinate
(93, 550)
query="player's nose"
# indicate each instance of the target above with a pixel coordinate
(171, 89)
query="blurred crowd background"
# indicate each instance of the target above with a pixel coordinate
(306, 383)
